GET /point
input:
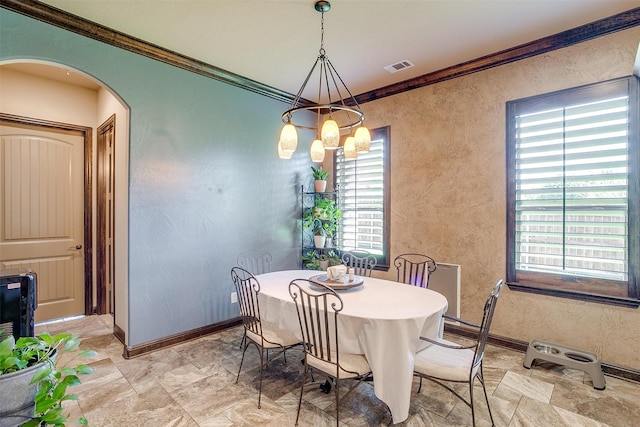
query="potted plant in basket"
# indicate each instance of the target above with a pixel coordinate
(32, 386)
(320, 178)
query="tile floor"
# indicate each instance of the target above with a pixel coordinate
(193, 384)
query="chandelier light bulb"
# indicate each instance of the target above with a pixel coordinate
(317, 151)
(363, 140)
(288, 138)
(349, 149)
(330, 135)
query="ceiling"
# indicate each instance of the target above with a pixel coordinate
(275, 42)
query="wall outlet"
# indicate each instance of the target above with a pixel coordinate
(234, 297)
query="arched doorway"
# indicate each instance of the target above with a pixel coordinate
(48, 97)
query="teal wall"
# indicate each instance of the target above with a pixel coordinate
(205, 180)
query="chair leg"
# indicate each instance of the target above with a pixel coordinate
(473, 414)
(337, 401)
(486, 396)
(303, 377)
(261, 369)
(241, 361)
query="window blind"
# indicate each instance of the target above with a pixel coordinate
(572, 189)
(361, 198)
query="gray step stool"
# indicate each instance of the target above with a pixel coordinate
(570, 357)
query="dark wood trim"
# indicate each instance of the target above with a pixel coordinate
(119, 334)
(580, 296)
(104, 211)
(84, 27)
(86, 133)
(171, 340)
(609, 369)
(602, 27)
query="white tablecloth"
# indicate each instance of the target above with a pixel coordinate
(381, 319)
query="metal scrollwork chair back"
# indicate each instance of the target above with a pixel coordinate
(318, 307)
(414, 269)
(255, 261)
(362, 262)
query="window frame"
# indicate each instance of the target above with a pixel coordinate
(383, 133)
(622, 293)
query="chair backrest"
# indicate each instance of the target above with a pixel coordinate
(255, 261)
(318, 307)
(487, 317)
(362, 262)
(247, 288)
(414, 269)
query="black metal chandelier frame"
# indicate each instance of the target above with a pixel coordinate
(328, 76)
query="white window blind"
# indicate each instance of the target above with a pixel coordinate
(361, 199)
(571, 167)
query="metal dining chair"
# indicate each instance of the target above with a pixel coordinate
(414, 269)
(318, 307)
(446, 361)
(362, 262)
(255, 261)
(264, 336)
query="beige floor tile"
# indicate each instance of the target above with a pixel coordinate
(194, 385)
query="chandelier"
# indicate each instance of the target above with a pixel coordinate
(332, 93)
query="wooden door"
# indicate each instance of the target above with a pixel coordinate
(42, 212)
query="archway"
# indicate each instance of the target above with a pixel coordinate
(59, 97)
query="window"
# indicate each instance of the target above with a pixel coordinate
(573, 193)
(363, 186)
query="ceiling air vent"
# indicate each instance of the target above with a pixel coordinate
(394, 68)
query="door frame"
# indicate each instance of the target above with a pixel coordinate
(86, 133)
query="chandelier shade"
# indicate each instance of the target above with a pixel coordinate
(330, 135)
(284, 154)
(317, 151)
(349, 149)
(333, 96)
(288, 138)
(362, 140)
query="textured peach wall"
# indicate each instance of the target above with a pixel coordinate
(448, 189)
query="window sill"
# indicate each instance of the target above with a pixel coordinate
(602, 299)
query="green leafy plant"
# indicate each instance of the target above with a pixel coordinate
(322, 217)
(334, 258)
(319, 174)
(52, 380)
(311, 260)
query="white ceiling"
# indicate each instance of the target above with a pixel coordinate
(275, 42)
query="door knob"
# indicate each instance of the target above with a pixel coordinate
(76, 247)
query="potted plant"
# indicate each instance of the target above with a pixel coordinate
(311, 260)
(324, 262)
(320, 177)
(322, 219)
(32, 386)
(334, 258)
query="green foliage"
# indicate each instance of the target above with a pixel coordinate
(334, 258)
(52, 380)
(311, 260)
(319, 174)
(322, 217)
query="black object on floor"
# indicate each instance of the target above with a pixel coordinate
(326, 387)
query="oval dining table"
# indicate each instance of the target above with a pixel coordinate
(381, 319)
